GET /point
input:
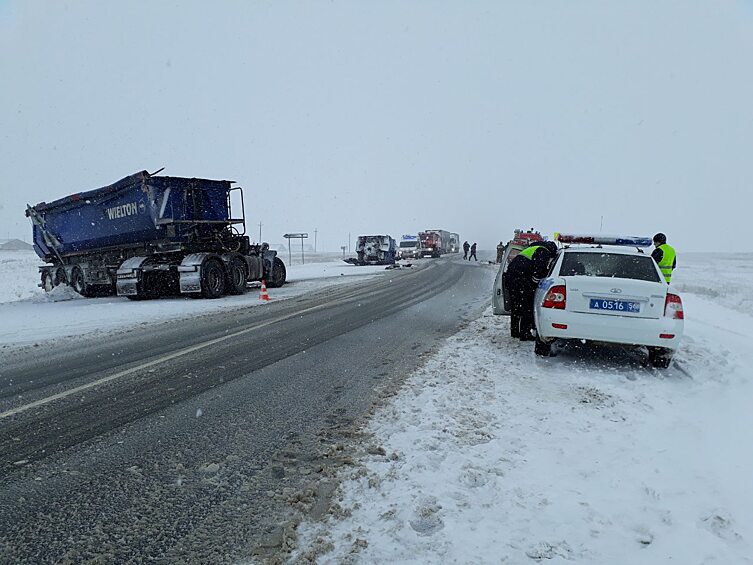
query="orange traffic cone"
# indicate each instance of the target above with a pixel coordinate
(264, 295)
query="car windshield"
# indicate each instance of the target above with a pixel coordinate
(616, 265)
(408, 243)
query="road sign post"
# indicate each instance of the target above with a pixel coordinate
(300, 236)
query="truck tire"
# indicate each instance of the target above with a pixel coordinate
(236, 276)
(60, 277)
(212, 279)
(48, 283)
(278, 275)
(78, 282)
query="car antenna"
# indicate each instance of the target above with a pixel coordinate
(157, 172)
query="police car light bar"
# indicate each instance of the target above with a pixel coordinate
(600, 239)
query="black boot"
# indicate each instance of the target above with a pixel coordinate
(514, 325)
(526, 327)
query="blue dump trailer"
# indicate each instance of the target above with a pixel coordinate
(147, 236)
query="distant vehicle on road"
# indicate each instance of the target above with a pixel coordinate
(434, 243)
(454, 243)
(374, 250)
(410, 247)
(606, 289)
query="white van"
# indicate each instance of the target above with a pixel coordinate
(410, 247)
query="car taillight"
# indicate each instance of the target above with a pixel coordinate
(673, 307)
(555, 298)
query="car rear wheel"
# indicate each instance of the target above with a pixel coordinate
(542, 348)
(659, 357)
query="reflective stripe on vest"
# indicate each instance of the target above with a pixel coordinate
(529, 251)
(666, 265)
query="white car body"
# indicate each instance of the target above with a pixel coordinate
(603, 302)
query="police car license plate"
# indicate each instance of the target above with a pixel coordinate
(615, 305)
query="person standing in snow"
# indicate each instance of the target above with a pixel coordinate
(665, 256)
(466, 247)
(521, 279)
(500, 251)
(473, 252)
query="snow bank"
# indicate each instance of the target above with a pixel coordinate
(18, 276)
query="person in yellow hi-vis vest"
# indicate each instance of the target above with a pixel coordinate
(521, 279)
(665, 256)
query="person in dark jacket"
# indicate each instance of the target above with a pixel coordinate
(521, 279)
(466, 247)
(473, 252)
(500, 252)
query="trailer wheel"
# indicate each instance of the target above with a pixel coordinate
(212, 279)
(278, 275)
(47, 281)
(79, 283)
(236, 276)
(60, 277)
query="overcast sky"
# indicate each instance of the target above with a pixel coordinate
(393, 117)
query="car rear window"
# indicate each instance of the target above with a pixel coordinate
(617, 265)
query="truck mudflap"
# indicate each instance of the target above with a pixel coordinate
(190, 272)
(128, 276)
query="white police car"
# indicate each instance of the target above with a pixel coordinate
(606, 289)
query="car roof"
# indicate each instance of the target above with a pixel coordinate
(617, 249)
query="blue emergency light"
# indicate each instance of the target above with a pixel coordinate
(599, 239)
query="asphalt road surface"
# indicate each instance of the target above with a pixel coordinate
(193, 441)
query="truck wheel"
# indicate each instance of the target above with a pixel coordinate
(278, 275)
(79, 283)
(60, 277)
(236, 276)
(47, 282)
(212, 279)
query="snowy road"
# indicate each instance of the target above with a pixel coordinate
(181, 441)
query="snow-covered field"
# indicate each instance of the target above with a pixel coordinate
(29, 315)
(489, 455)
(724, 278)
